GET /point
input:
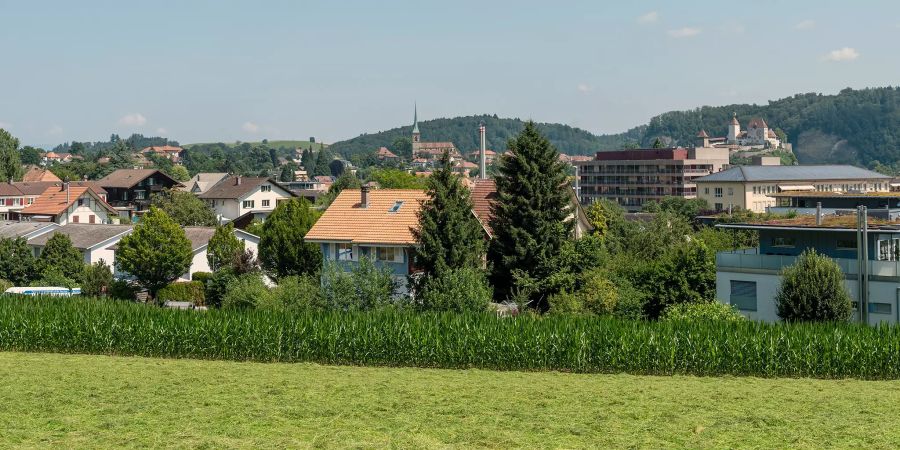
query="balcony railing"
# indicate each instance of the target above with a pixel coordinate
(751, 259)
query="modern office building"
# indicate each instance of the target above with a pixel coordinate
(634, 177)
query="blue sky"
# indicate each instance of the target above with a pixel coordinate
(200, 71)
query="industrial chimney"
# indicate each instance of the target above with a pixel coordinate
(364, 197)
(482, 164)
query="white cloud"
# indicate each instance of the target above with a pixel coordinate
(841, 55)
(805, 25)
(684, 32)
(584, 87)
(250, 127)
(133, 119)
(650, 17)
(55, 129)
(162, 131)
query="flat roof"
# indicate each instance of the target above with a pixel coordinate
(808, 222)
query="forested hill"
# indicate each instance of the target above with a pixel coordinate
(463, 131)
(854, 126)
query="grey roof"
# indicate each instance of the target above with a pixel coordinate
(199, 236)
(793, 173)
(84, 236)
(12, 230)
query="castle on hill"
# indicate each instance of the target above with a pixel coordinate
(758, 135)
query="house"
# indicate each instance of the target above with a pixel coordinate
(376, 224)
(463, 167)
(12, 200)
(237, 195)
(430, 151)
(308, 189)
(170, 152)
(633, 177)
(58, 157)
(484, 193)
(15, 196)
(25, 230)
(200, 236)
(95, 242)
(37, 174)
(131, 190)
(383, 154)
(489, 156)
(203, 181)
(749, 279)
(751, 187)
(69, 204)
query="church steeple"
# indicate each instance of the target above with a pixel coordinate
(415, 132)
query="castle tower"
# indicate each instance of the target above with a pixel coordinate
(703, 138)
(416, 136)
(734, 129)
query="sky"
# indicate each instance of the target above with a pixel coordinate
(209, 71)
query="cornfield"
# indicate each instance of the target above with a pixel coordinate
(403, 338)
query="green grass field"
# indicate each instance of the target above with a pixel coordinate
(275, 144)
(49, 400)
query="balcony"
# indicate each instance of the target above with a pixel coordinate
(751, 259)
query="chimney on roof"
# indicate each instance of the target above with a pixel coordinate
(364, 197)
(237, 180)
(818, 213)
(482, 161)
(65, 187)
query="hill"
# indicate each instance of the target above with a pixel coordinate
(272, 144)
(854, 126)
(463, 131)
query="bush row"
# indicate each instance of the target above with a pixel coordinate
(450, 340)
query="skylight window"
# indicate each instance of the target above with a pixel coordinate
(396, 206)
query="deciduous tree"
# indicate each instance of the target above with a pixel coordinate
(156, 252)
(185, 208)
(223, 247)
(58, 255)
(812, 289)
(10, 163)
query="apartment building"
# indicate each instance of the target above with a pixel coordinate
(633, 177)
(752, 187)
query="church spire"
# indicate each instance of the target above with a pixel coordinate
(415, 132)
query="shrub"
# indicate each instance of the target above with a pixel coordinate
(391, 337)
(190, 291)
(565, 303)
(4, 285)
(458, 290)
(123, 290)
(632, 301)
(703, 311)
(201, 277)
(298, 294)
(96, 279)
(598, 294)
(17, 263)
(364, 287)
(249, 291)
(813, 289)
(53, 277)
(217, 287)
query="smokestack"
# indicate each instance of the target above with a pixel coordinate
(364, 197)
(482, 164)
(818, 213)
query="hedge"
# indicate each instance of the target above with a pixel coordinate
(451, 340)
(188, 291)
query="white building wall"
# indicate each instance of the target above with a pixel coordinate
(880, 291)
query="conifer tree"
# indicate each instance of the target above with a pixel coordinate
(282, 250)
(530, 219)
(449, 236)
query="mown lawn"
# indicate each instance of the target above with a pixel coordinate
(49, 400)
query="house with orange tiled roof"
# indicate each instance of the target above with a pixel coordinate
(383, 154)
(35, 173)
(170, 152)
(67, 203)
(376, 224)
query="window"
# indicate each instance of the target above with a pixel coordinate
(265, 203)
(846, 244)
(396, 206)
(248, 203)
(743, 295)
(92, 219)
(718, 206)
(783, 242)
(389, 254)
(345, 252)
(74, 219)
(730, 191)
(718, 193)
(888, 249)
(150, 181)
(706, 191)
(265, 188)
(880, 308)
(138, 195)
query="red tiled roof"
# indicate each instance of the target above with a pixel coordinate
(383, 152)
(346, 221)
(757, 123)
(162, 149)
(55, 200)
(484, 194)
(35, 173)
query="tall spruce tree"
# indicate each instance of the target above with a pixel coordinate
(449, 236)
(530, 220)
